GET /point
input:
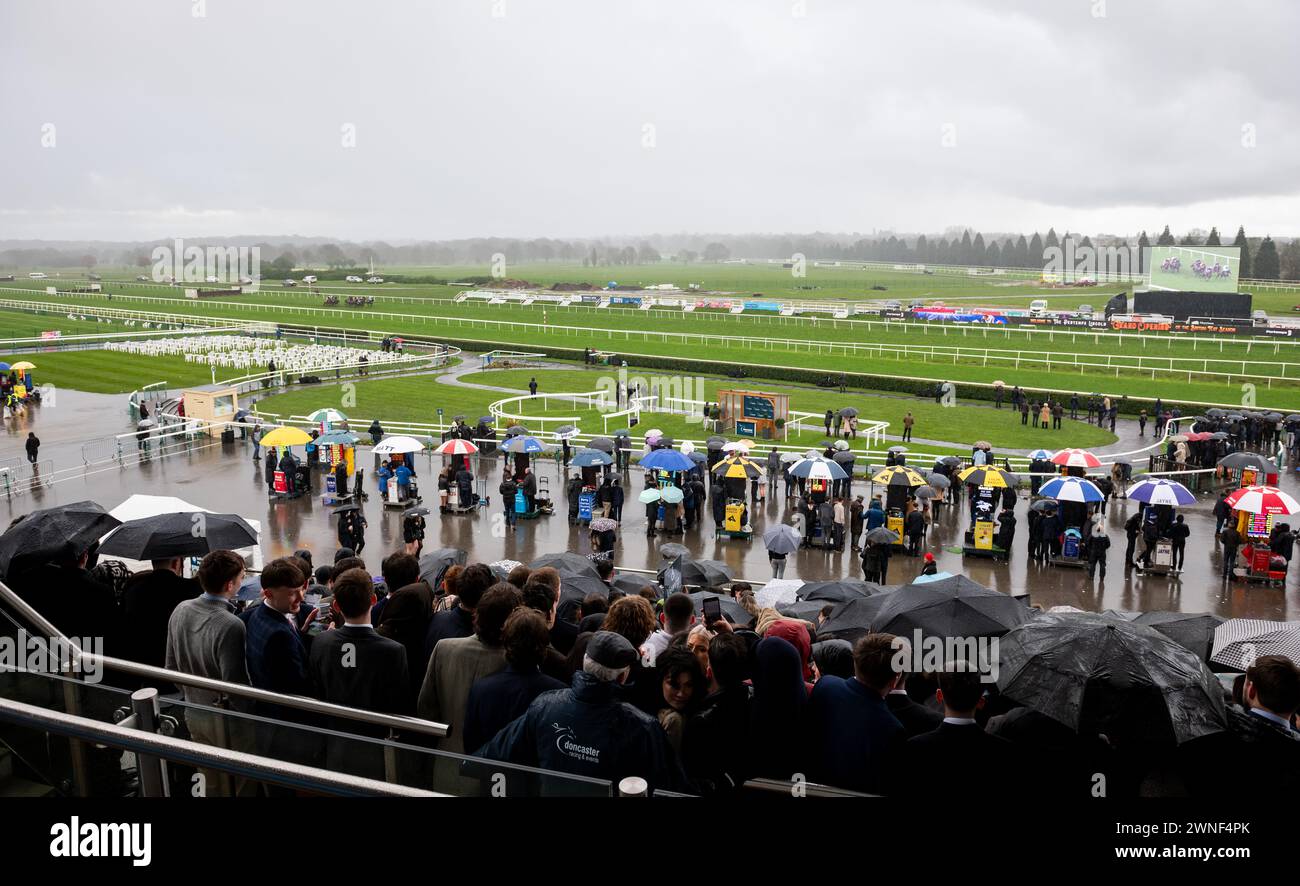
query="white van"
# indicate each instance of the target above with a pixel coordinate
(310, 278)
(36, 275)
(1038, 307)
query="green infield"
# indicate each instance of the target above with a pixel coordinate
(417, 399)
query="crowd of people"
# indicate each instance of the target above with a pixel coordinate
(612, 684)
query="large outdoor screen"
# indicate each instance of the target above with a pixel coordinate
(1194, 268)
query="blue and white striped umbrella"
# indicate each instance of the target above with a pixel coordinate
(1042, 453)
(1071, 489)
(1161, 492)
(523, 443)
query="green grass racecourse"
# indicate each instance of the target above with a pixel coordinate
(417, 399)
(1154, 365)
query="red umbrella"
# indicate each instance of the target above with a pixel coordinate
(457, 447)
(1198, 436)
(1076, 458)
(1262, 500)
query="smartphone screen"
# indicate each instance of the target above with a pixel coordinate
(712, 610)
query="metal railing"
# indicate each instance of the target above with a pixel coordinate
(235, 690)
(151, 748)
(816, 346)
(815, 324)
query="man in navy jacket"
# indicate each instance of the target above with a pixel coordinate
(586, 730)
(854, 736)
(276, 654)
(277, 658)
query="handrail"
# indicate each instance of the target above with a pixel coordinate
(237, 763)
(301, 703)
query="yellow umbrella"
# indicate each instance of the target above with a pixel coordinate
(994, 478)
(23, 364)
(285, 436)
(738, 469)
(898, 475)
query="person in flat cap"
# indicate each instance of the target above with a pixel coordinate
(586, 730)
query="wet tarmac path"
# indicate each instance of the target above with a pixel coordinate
(226, 479)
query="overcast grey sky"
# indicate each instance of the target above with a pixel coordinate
(573, 118)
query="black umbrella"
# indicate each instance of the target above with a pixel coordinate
(1195, 630)
(164, 536)
(734, 612)
(1216, 412)
(851, 619)
(1044, 504)
(631, 582)
(516, 430)
(715, 442)
(579, 587)
(838, 591)
(1292, 417)
(882, 536)
(604, 444)
(348, 507)
(53, 533)
(844, 458)
(808, 610)
(1248, 460)
(705, 573)
(622, 432)
(950, 607)
(673, 550)
(948, 460)
(568, 564)
(849, 412)
(1097, 674)
(436, 562)
(486, 419)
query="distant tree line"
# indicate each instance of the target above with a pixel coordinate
(1261, 258)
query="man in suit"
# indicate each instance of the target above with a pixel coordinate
(274, 649)
(497, 699)
(916, 718)
(277, 661)
(453, 667)
(150, 598)
(206, 639)
(356, 667)
(853, 736)
(459, 622)
(959, 758)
